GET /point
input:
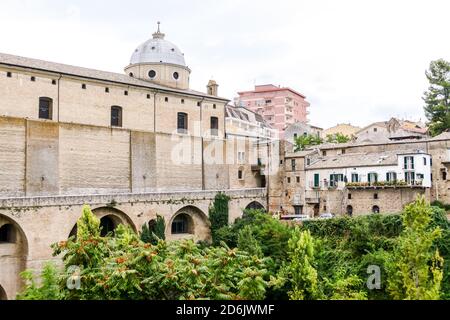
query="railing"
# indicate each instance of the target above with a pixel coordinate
(392, 184)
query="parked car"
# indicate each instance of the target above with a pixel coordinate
(325, 216)
(302, 217)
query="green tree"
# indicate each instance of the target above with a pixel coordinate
(299, 271)
(338, 138)
(302, 142)
(247, 242)
(47, 290)
(415, 267)
(437, 98)
(154, 231)
(218, 215)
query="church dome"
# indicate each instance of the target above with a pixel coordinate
(158, 50)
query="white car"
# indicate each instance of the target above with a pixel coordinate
(303, 217)
(325, 216)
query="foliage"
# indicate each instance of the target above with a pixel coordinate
(218, 215)
(439, 204)
(247, 242)
(47, 290)
(121, 266)
(154, 231)
(299, 269)
(302, 142)
(415, 267)
(338, 138)
(437, 98)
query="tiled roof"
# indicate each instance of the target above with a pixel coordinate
(16, 61)
(355, 160)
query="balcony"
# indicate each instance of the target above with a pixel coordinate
(313, 200)
(384, 184)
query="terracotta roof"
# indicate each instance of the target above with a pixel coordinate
(16, 61)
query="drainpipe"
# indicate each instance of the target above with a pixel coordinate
(201, 139)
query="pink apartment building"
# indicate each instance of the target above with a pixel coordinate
(280, 107)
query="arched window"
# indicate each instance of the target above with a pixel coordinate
(375, 209)
(45, 108)
(255, 205)
(182, 122)
(107, 226)
(181, 224)
(116, 116)
(350, 210)
(7, 234)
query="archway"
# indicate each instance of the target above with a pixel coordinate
(375, 209)
(3, 294)
(188, 222)
(255, 205)
(110, 219)
(13, 256)
(350, 210)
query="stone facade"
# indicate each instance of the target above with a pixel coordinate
(130, 145)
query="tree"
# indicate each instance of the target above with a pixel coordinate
(218, 214)
(299, 271)
(305, 141)
(338, 138)
(437, 98)
(154, 231)
(415, 267)
(247, 242)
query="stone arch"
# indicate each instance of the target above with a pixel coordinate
(13, 256)
(110, 218)
(255, 205)
(3, 295)
(196, 224)
(375, 209)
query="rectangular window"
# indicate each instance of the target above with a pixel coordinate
(182, 101)
(33, 79)
(410, 177)
(106, 90)
(148, 96)
(298, 210)
(83, 86)
(391, 176)
(45, 108)
(54, 82)
(125, 92)
(298, 179)
(268, 101)
(288, 180)
(308, 161)
(316, 180)
(241, 157)
(182, 122)
(9, 74)
(214, 126)
(214, 106)
(349, 196)
(375, 196)
(424, 161)
(408, 163)
(355, 177)
(372, 177)
(199, 104)
(293, 165)
(116, 116)
(166, 99)
(241, 175)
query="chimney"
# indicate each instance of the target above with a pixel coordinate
(212, 88)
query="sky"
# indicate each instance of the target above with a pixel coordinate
(356, 61)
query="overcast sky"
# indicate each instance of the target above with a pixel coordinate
(356, 61)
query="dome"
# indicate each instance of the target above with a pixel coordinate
(158, 50)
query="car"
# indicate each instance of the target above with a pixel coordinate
(302, 217)
(325, 216)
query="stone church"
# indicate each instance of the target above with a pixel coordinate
(131, 145)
